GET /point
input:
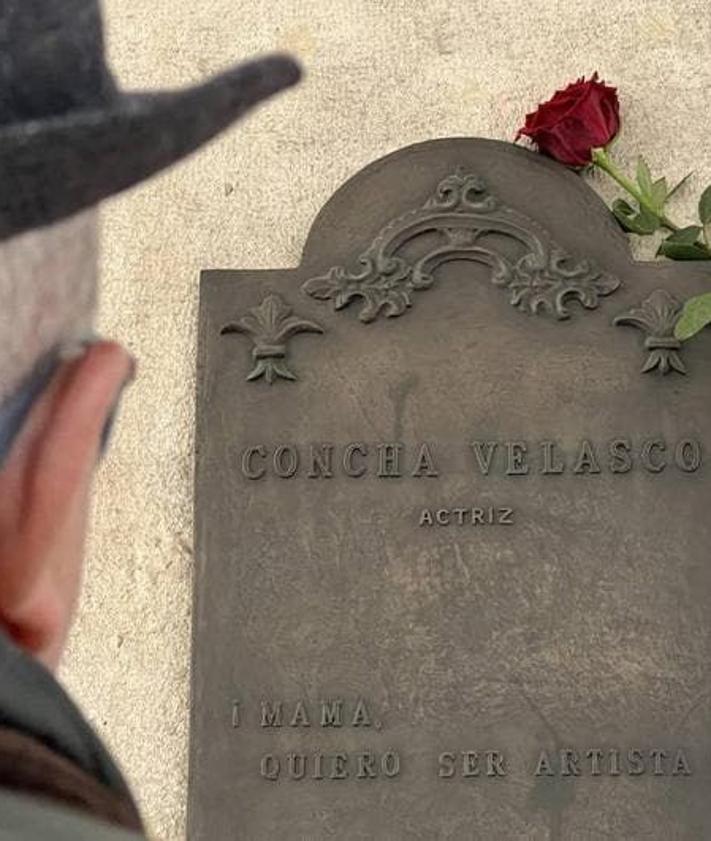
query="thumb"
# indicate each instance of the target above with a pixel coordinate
(76, 423)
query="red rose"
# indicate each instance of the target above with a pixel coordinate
(583, 117)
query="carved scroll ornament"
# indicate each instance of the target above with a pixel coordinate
(468, 223)
(461, 221)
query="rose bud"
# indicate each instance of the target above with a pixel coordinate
(583, 117)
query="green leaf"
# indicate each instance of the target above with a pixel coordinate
(660, 191)
(695, 316)
(635, 221)
(679, 185)
(688, 235)
(644, 177)
(684, 251)
(705, 206)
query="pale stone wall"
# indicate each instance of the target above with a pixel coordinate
(381, 74)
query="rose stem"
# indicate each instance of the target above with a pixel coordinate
(601, 159)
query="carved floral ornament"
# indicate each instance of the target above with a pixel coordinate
(461, 221)
(271, 325)
(657, 316)
(469, 222)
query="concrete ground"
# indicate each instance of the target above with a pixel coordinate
(381, 74)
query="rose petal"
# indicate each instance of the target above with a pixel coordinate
(577, 119)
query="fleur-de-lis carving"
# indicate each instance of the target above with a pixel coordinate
(657, 316)
(271, 325)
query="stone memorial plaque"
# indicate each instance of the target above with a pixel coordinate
(453, 551)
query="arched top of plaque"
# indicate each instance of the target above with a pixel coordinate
(555, 198)
(545, 240)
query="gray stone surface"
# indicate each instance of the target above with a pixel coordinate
(452, 580)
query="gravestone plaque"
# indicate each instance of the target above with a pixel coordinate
(453, 568)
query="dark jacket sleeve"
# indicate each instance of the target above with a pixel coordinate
(47, 748)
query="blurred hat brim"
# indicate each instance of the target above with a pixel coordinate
(53, 168)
